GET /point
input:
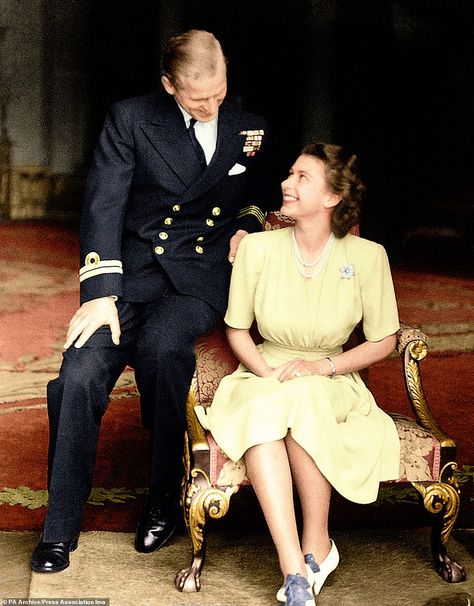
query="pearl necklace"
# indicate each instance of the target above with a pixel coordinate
(300, 264)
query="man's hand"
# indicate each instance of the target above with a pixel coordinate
(234, 243)
(91, 316)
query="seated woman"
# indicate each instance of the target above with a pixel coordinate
(296, 408)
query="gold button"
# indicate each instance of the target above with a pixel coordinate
(92, 259)
(159, 250)
(199, 249)
(209, 222)
(176, 208)
(216, 211)
(168, 221)
(200, 239)
(163, 235)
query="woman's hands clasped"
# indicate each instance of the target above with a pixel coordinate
(300, 368)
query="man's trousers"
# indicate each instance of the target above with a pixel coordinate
(158, 340)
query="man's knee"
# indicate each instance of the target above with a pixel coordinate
(85, 375)
(80, 368)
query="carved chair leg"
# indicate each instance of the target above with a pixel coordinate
(201, 500)
(442, 499)
(188, 579)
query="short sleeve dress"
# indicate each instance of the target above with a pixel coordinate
(337, 421)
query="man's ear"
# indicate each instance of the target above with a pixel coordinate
(169, 88)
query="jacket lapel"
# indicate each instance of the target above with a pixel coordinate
(167, 132)
(228, 147)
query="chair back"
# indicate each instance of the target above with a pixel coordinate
(276, 220)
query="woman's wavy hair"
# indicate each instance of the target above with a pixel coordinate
(342, 179)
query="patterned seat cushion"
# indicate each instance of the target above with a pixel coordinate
(420, 451)
(420, 455)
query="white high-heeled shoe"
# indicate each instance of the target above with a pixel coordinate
(297, 591)
(317, 573)
(328, 565)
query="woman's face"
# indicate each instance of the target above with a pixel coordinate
(305, 191)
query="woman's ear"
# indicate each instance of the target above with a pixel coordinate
(332, 200)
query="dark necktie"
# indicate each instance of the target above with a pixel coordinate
(197, 146)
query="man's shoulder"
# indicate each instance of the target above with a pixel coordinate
(141, 103)
(244, 117)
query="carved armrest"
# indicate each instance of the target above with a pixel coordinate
(412, 345)
(407, 334)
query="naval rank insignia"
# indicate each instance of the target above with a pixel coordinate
(253, 141)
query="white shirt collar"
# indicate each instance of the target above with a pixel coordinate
(187, 118)
(206, 133)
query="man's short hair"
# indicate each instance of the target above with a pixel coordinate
(192, 55)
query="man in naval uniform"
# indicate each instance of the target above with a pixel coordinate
(178, 177)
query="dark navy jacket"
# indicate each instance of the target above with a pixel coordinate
(148, 207)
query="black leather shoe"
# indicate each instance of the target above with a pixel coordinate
(157, 524)
(52, 557)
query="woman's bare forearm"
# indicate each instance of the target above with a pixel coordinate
(247, 352)
(363, 355)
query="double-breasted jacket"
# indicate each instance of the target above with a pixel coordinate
(148, 208)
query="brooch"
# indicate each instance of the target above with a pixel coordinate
(253, 141)
(347, 271)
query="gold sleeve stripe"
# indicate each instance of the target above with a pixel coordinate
(252, 210)
(93, 266)
(96, 263)
(97, 271)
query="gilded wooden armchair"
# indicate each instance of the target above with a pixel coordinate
(426, 459)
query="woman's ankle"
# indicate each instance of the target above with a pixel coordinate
(294, 567)
(320, 550)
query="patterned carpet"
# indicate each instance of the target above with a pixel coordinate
(39, 293)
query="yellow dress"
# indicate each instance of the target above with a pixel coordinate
(337, 421)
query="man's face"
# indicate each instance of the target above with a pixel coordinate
(201, 97)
